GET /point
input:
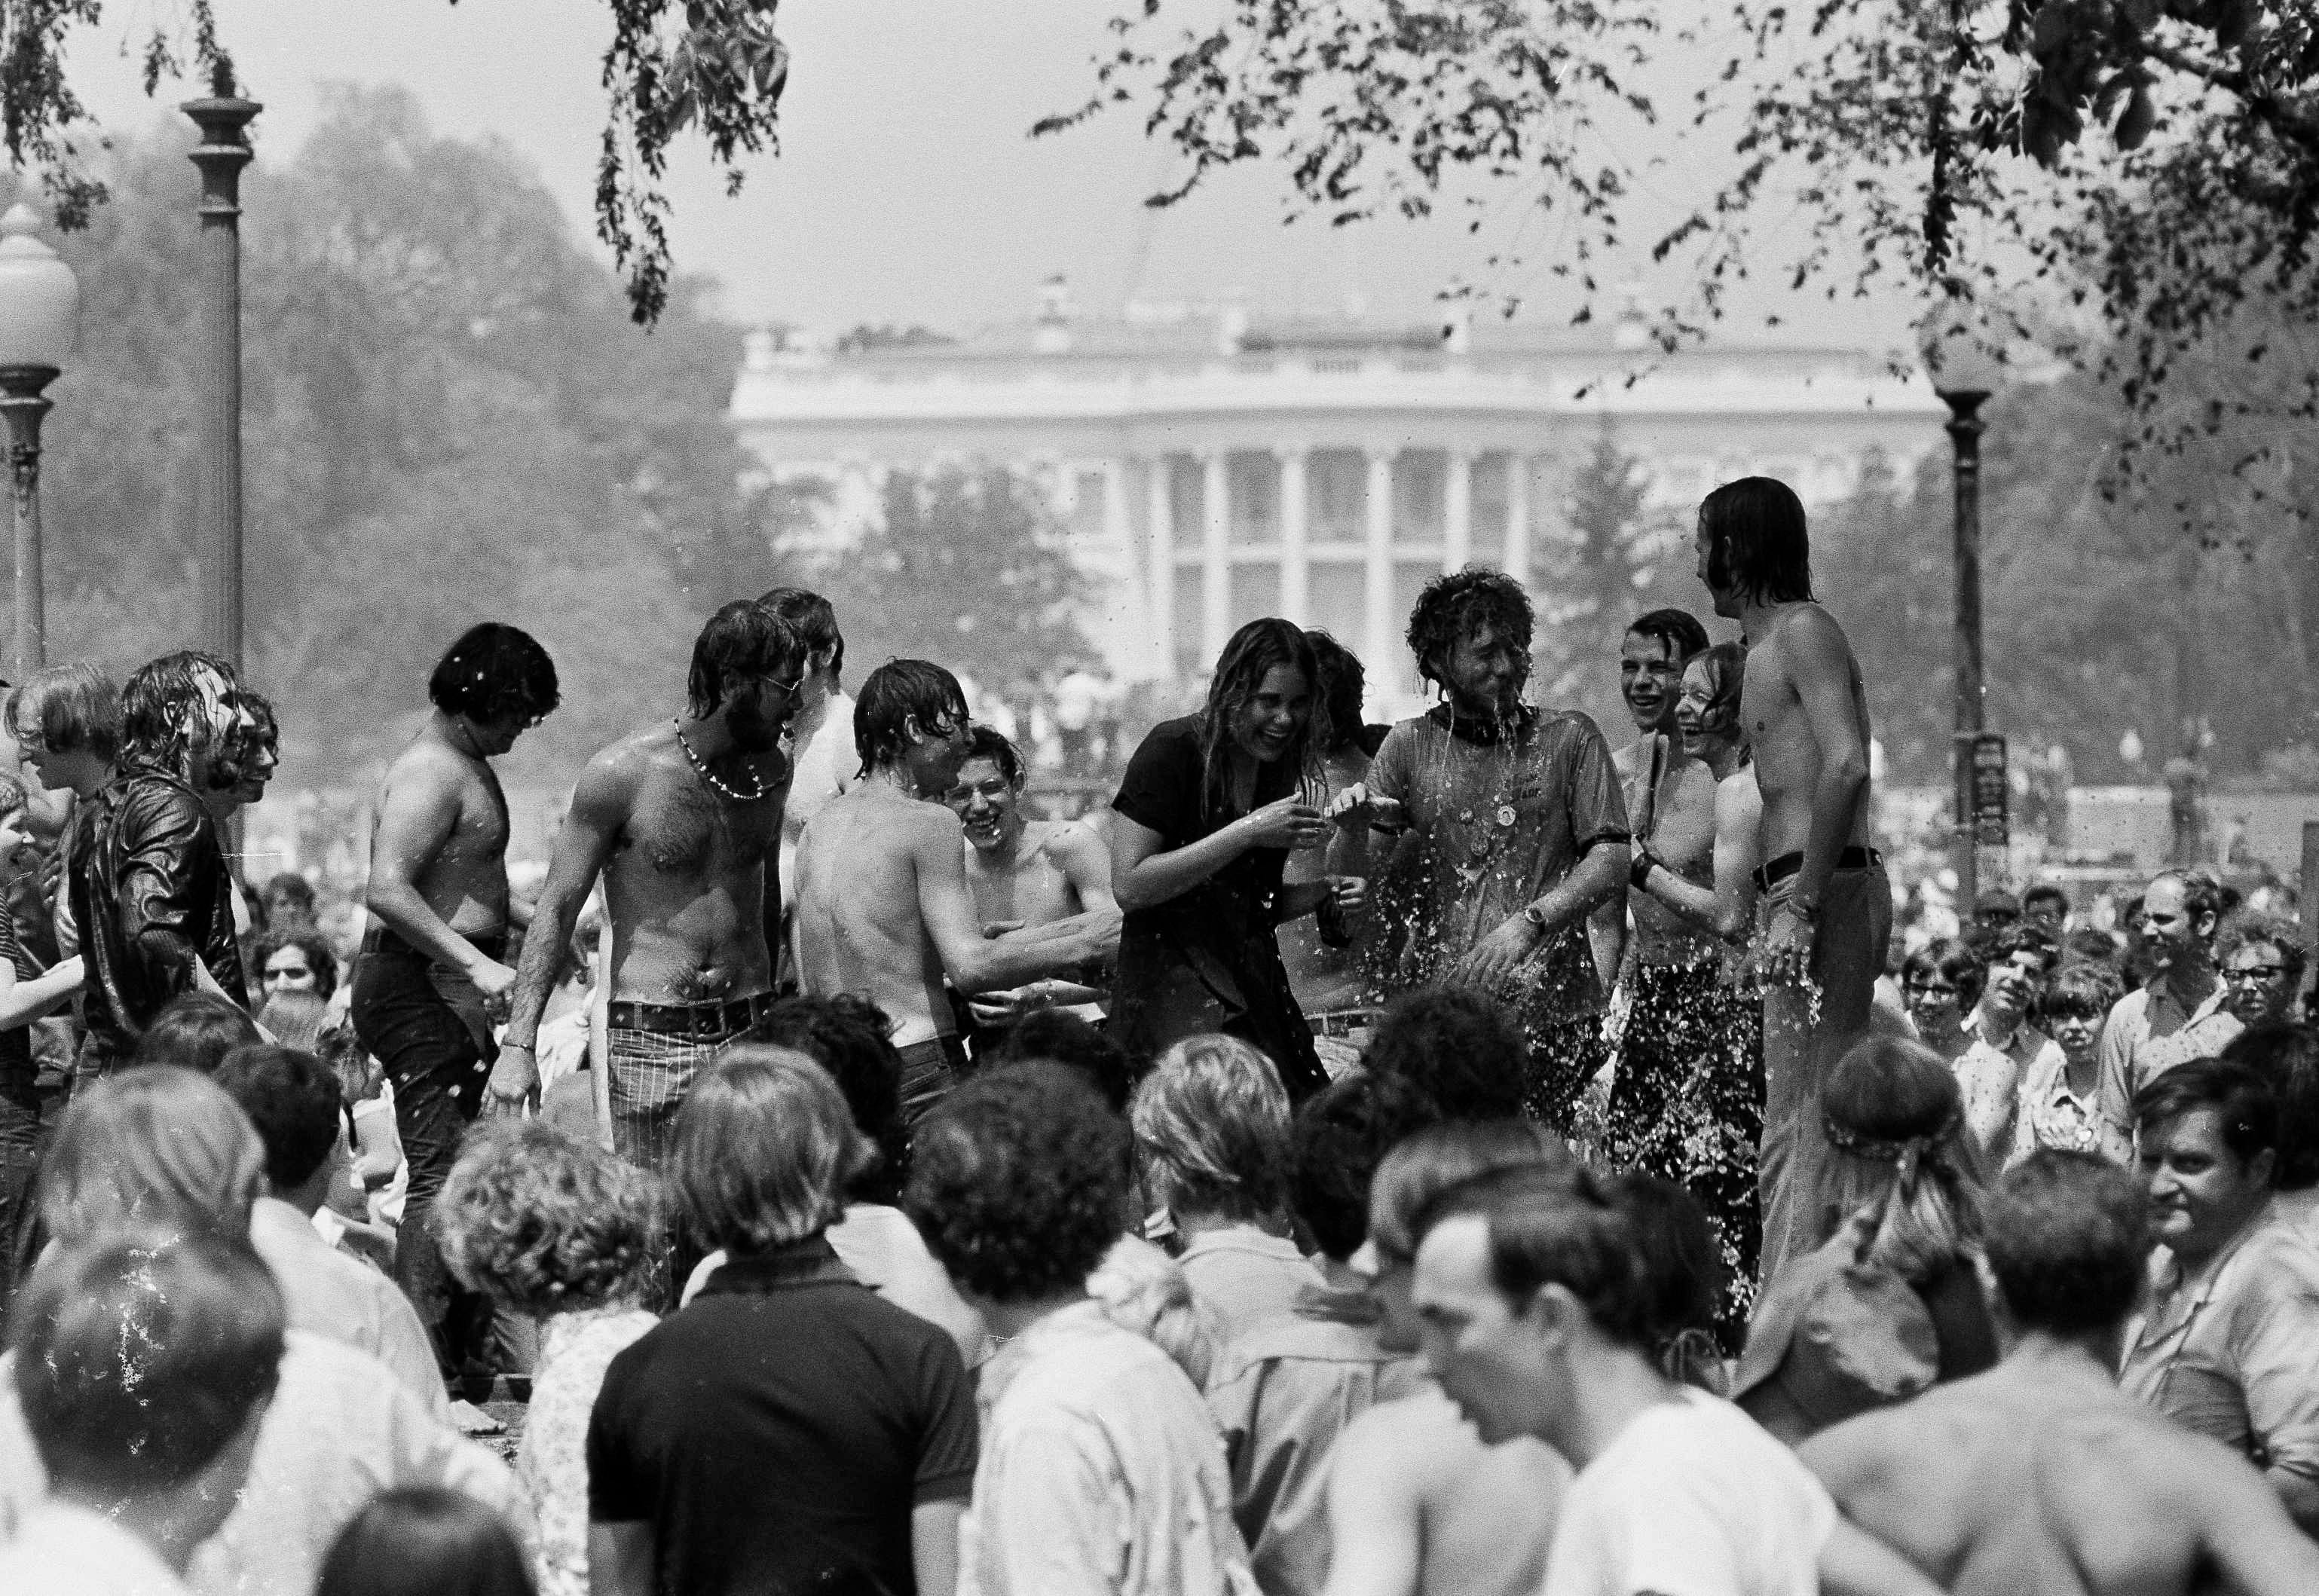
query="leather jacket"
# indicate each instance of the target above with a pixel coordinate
(150, 891)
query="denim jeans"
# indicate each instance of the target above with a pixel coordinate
(427, 1029)
(20, 1168)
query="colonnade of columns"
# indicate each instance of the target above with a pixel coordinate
(1195, 540)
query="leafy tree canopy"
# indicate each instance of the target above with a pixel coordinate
(2145, 168)
(671, 65)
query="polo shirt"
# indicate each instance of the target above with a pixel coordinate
(777, 1433)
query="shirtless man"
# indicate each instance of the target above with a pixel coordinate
(681, 820)
(2041, 1474)
(1827, 908)
(1650, 675)
(883, 907)
(1025, 872)
(820, 734)
(433, 956)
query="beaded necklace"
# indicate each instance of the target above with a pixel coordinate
(711, 778)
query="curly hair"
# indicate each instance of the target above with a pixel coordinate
(1337, 1139)
(1451, 607)
(1018, 1181)
(1212, 1130)
(308, 940)
(1460, 1045)
(850, 1037)
(1141, 1288)
(495, 672)
(2245, 928)
(543, 1222)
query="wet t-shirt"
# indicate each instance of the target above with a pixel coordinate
(1497, 819)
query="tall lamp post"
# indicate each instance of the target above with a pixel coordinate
(40, 322)
(1964, 374)
(224, 151)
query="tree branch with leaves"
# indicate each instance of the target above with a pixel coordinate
(671, 66)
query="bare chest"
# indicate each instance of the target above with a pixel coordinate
(681, 828)
(1033, 888)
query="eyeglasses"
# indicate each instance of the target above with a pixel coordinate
(2260, 974)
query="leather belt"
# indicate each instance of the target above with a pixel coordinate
(1342, 1021)
(689, 1019)
(1768, 875)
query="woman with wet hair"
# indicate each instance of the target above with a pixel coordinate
(1688, 1103)
(1893, 1303)
(1211, 807)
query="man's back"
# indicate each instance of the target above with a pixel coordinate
(778, 1432)
(860, 927)
(2030, 1479)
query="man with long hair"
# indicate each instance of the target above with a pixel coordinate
(682, 820)
(433, 958)
(1828, 911)
(1512, 833)
(883, 907)
(146, 874)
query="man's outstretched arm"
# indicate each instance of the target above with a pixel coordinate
(600, 809)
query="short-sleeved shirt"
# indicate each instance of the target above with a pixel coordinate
(2052, 1115)
(778, 1433)
(1207, 960)
(2148, 1033)
(1693, 1498)
(1496, 821)
(1989, 1078)
(2232, 1351)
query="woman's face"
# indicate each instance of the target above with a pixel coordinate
(2075, 1033)
(1275, 715)
(288, 970)
(1703, 725)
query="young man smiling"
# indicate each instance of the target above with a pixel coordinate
(1515, 833)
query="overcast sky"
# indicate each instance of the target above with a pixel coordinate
(906, 189)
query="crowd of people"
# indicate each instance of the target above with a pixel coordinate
(1455, 1156)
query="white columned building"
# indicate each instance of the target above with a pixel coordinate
(1211, 468)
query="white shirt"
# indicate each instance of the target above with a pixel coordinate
(1101, 1473)
(326, 1292)
(1693, 1499)
(340, 1431)
(62, 1549)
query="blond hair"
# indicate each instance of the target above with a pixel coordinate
(155, 1145)
(1210, 1124)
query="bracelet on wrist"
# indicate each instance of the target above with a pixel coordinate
(528, 1047)
(1638, 869)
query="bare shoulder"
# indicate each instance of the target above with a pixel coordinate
(425, 766)
(1074, 839)
(1808, 636)
(617, 770)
